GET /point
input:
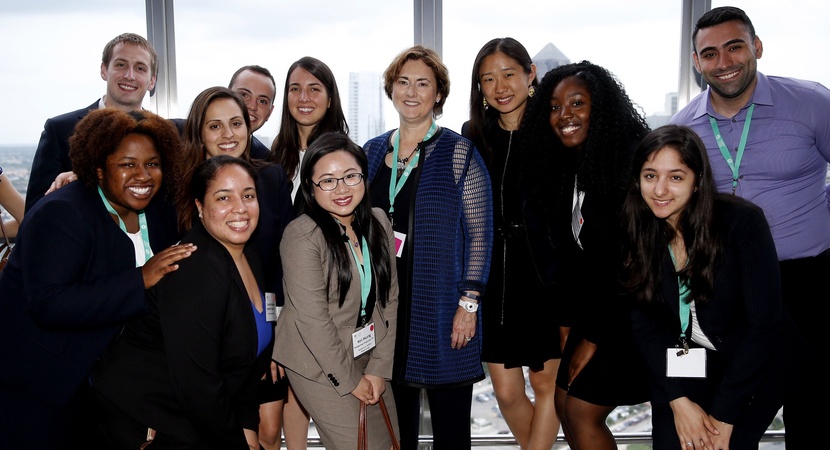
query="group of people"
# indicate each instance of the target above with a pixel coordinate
(178, 284)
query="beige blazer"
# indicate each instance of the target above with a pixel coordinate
(313, 333)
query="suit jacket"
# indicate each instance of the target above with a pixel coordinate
(275, 212)
(314, 334)
(745, 320)
(258, 149)
(190, 368)
(67, 290)
(52, 154)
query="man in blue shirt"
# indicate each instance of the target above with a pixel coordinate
(780, 164)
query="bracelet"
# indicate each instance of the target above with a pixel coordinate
(471, 296)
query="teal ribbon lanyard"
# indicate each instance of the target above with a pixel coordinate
(684, 307)
(364, 269)
(395, 183)
(736, 164)
(142, 226)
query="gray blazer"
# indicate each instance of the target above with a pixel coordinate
(313, 333)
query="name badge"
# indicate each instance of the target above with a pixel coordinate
(363, 339)
(680, 364)
(400, 238)
(272, 311)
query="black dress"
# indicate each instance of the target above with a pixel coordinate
(587, 283)
(519, 313)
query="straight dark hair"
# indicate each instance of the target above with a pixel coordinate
(285, 150)
(365, 223)
(721, 15)
(647, 238)
(481, 120)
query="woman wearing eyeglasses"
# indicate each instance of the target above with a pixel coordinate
(336, 332)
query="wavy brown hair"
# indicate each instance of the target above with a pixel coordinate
(433, 61)
(194, 151)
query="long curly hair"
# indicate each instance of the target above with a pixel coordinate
(365, 223)
(482, 120)
(99, 134)
(285, 150)
(601, 164)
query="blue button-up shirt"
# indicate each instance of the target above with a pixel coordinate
(784, 167)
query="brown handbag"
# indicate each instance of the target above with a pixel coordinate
(5, 247)
(362, 443)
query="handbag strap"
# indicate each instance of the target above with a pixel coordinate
(395, 444)
(362, 443)
(361, 431)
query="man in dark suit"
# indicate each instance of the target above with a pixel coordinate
(129, 65)
(257, 87)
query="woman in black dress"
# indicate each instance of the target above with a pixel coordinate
(583, 129)
(517, 308)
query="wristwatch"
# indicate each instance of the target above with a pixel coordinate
(468, 306)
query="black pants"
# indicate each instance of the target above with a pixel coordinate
(28, 423)
(449, 410)
(804, 285)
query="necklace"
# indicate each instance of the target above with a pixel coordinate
(402, 162)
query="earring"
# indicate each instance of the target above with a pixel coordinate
(531, 91)
(486, 106)
(200, 215)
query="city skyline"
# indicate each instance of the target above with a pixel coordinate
(638, 41)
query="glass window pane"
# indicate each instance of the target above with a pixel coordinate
(637, 41)
(213, 40)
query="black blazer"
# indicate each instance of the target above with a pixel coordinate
(52, 154)
(70, 285)
(189, 368)
(275, 212)
(745, 320)
(258, 149)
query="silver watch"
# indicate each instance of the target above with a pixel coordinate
(468, 306)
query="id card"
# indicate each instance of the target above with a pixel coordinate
(400, 238)
(272, 311)
(363, 339)
(680, 364)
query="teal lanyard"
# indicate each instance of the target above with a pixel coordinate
(142, 226)
(684, 307)
(365, 271)
(734, 165)
(395, 183)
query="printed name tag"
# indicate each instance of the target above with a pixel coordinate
(272, 311)
(363, 339)
(686, 365)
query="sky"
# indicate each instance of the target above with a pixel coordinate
(51, 49)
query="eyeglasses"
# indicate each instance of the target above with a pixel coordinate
(330, 184)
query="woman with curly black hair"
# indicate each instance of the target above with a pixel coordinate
(582, 129)
(82, 260)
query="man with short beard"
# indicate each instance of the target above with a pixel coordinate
(781, 165)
